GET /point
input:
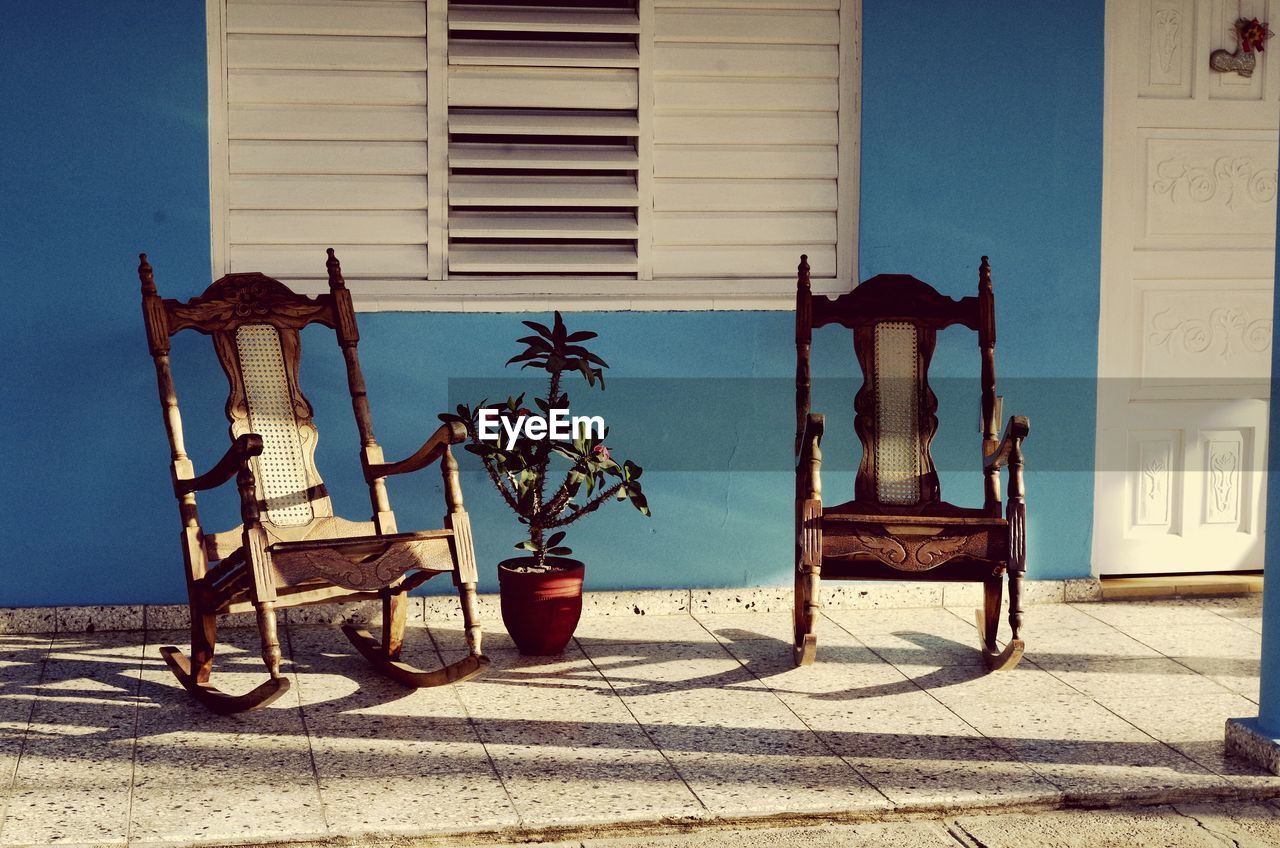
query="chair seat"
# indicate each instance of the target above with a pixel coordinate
(363, 562)
(912, 542)
(937, 515)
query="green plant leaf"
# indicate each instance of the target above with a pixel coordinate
(524, 357)
(580, 336)
(541, 329)
(555, 539)
(526, 545)
(561, 551)
(582, 352)
(567, 451)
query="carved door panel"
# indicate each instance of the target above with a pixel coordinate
(1184, 348)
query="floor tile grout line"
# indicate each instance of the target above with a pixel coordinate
(133, 748)
(475, 730)
(817, 736)
(26, 734)
(1011, 754)
(1115, 627)
(1130, 723)
(1181, 663)
(306, 730)
(1093, 699)
(639, 724)
(1168, 745)
(1230, 619)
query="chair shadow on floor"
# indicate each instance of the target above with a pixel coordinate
(944, 662)
(763, 658)
(95, 678)
(367, 724)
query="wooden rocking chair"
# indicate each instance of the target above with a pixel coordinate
(291, 549)
(897, 527)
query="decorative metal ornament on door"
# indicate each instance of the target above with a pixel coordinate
(1252, 35)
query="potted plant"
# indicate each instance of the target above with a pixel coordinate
(542, 590)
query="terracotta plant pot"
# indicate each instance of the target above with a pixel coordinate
(541, 608)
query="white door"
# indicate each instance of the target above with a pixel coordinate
(1188, 230)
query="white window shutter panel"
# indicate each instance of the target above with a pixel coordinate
(746, 137)
(543, 123)
(326, 137)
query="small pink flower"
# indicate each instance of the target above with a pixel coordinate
(601, 452)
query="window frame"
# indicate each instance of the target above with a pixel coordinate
(513, 294)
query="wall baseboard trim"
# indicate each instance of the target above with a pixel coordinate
(444, 608)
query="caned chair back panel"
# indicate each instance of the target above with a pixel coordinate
(895, 320)
(895, 419)
(265, 400)
(898, 445)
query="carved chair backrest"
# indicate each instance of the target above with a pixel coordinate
(895, 320)
(254, 322)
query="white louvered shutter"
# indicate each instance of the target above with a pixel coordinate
(326, 133)
(628, 149)
(746, 137)
(543, 100)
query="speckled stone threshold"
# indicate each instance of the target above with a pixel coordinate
(589, 834)
(835, 596)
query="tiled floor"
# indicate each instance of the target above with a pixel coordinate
(643, 719)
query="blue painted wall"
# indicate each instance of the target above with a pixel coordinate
(105, 154)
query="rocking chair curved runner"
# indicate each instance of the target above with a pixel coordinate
(897, 527)
(291, 549)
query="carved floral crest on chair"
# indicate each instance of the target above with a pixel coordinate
(240, 298)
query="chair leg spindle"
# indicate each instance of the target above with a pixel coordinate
(271, 654)
(470, 617)
(394, 613)
(989, 624)
(1015, 604)
(204, 635)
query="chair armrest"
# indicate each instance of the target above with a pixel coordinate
(814, 425)
(432, 449)
(237, 456)
(1018, 428)
(809, 466)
